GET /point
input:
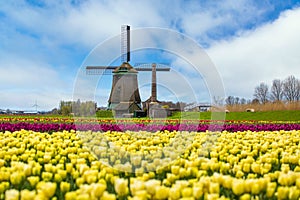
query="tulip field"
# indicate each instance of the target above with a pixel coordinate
(87, 159)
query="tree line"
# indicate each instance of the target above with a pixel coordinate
(77, 108)
(280, 90)
(287, 89)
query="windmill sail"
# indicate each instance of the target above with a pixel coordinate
(125, 43)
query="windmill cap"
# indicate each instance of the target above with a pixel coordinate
(125, 67)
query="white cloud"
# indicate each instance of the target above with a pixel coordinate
(268, 52)
(28, 74)
(86, 24)
(23, 81)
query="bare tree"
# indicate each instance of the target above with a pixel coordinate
(277, 90)
(229, 100)
(218, 100)
(291, 88)
(243, 101)
(261, 92)
(237, 100)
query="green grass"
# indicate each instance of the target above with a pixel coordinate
(286, 115)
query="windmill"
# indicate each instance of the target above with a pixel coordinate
(36, 106)
(124, 96)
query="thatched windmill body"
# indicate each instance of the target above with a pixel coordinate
(124, 96)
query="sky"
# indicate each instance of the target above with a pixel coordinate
(45, 45)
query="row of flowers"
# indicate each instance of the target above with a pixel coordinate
(70, 120)
(50, 127)
(142, 165)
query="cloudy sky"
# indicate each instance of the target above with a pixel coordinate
(45, 44)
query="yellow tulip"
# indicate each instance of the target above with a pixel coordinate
(227, 182)
(175, 169)
(182, 172)
(62, 173)
(245, 197)
(27, 170)
(282, 192)
(2, 188)
(151, 186)
(197, 192)
(70, 196)
(36, 171)
(142, 195)
(239, 174)
(161, 192)
(33, 180)
(246, 167)
(121, 187)
(79, 181)
(2, 163)
(174, 193)
(214, 188)
(64, 187)
(98, 189)
(47, 188)
(57, 178)
(107, 196)
(255, 189)
(12, 194)
(69, 167)
(47, 176)
(271, 187)
(27, 195)
(187, 192)
(255, 168)
(83, 196)
(17, 178)
(4, 176)
(47, 158)
(136, 186)
(238, 186)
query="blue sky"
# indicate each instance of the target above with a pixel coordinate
(44, 44)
